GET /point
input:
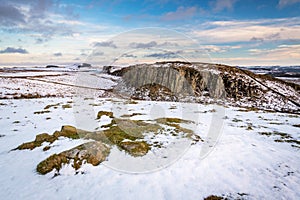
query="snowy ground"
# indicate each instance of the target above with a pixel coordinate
(245, 162)
(21, 83)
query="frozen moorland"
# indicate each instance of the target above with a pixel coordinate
(194, 150)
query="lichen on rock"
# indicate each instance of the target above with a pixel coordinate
(107, 113)
(126, 134)
(135, 148)
(91, 152)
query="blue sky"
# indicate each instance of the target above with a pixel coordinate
(234, 32)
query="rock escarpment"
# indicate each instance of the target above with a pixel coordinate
(206, 83)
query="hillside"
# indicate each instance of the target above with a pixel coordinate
(206, 83)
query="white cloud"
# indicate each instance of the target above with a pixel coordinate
(280, 55)
(219, 49)
(284, 3)
(245, 31)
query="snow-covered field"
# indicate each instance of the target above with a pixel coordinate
(242, 155)
(244, 163)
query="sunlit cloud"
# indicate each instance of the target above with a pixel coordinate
(244, 31)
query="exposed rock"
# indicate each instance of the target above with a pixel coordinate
(39, 139)
(41, 112)
(66, 106)
(207, 83)
(213, 197)
(154, 92)
(107, 113)
(45, 137)
(126, 134)
(136, 148)
(67, 131)
(91, 152)
(55, 161)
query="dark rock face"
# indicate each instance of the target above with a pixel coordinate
(154, 92)
(203, 82)
(170, 83)
(206, 83)
(166, 77)
(237, 88)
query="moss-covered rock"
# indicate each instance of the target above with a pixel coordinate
(66, 106)
(213, 197)
(91, 152)
(53, 162)
(45, 137)
(39, 139)
(126, 134)
(116, 135)
(28, 145)
(135, 148)
(67, 131)
(107, 113)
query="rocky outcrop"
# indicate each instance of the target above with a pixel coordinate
(206, 83)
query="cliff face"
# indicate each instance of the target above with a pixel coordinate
(205, 83)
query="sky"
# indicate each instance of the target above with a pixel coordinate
(232, 32)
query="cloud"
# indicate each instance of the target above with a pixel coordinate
(291, 50)
(97, 53)
(143, 45)
(218, 49)
(57, 54)
(10, 15)
(169, 44)
(220, 5)
(44, 17)
(14, 50)
(39, 8)
(165, 55)
(256, 39)
(245, 31)
(180, 14)
(105, 44)
(285, 3)
(40, 40)
(151, 44)
(129, 55)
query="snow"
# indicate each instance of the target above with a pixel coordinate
(53, 83)
(241, 161)
(239, 153)
(30, 73)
